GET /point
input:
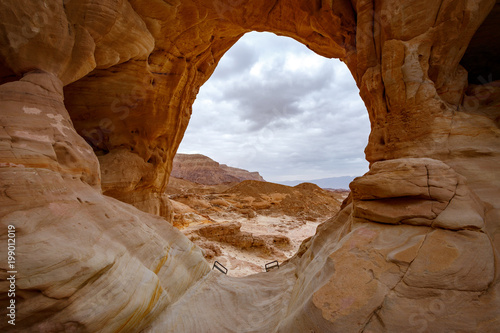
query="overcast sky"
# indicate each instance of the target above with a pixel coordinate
(275, 107)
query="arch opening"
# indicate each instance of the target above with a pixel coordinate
(276, 107)
(141, 107)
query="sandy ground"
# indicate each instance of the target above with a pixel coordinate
(241, 262)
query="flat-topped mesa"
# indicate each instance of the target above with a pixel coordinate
(242, 174)
(203, 170)
(95, 97)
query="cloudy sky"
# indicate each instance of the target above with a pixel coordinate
(275, 107)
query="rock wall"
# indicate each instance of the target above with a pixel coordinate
(86, 262)
(416, 247)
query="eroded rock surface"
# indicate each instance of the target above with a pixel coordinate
(96, 96)
(83, 259)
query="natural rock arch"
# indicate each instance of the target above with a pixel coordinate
(167, 83)
(421, 228)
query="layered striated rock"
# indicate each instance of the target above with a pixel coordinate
(82, 259)
(96, 96)
(242, 174)
(203, 170)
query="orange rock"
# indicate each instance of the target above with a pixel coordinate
(203, 170)
(128, 73)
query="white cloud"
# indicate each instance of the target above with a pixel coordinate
(274, 106)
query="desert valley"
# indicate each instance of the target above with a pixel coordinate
(239, 219)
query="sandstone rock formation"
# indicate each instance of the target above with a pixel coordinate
(83, 259)
(203, 170)
(95, 97)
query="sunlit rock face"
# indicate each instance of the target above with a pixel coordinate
(96, 96)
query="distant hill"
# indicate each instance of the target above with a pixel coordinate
(333, 182)
(203, 170)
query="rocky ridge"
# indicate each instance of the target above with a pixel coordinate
(203, 170)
